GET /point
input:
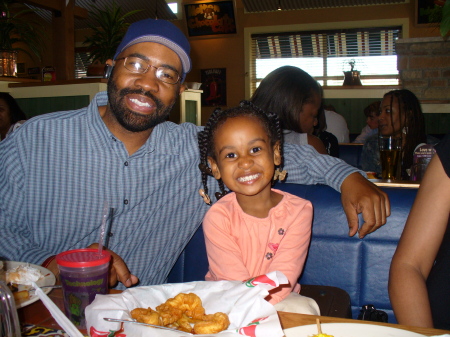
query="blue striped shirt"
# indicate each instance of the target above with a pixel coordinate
(57, 170)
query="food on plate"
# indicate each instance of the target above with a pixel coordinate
(319, 329)
(183, 312)
(23, 274)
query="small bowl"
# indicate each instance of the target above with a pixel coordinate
(193, 85)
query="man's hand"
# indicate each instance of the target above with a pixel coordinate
(118, 270)
(360, 195)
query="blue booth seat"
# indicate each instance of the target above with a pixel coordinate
(358, 266)
(351, 153)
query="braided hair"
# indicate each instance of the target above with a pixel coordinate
(269, 121)
(414, 125)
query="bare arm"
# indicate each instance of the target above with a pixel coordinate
(418, 247)
(317, 144)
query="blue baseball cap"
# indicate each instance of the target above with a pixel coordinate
(162, 32)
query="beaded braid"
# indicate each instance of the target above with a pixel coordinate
(409, 107)
(270, 122)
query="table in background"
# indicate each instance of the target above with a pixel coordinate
(37, 314)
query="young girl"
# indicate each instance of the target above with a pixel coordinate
(255, 229)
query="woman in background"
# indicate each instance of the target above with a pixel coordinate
(296, 98)
(400, 116)
(11, 115)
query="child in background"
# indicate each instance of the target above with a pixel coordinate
(371, 112)
(254, 229)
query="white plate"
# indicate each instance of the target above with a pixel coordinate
(48, 280)
(349, 330)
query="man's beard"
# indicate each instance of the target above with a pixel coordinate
(131, 120)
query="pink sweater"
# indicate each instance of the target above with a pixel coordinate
(241, 246)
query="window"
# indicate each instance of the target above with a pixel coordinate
(326, 54)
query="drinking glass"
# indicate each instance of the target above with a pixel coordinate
(390, 153)
(9, 321)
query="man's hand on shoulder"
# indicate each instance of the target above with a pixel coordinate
(360, 195)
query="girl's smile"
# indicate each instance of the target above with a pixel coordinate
(245, 158)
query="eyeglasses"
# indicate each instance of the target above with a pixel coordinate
(140, 66)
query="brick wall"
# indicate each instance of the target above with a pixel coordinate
(424, 66)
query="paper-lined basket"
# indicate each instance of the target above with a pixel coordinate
(249, 313)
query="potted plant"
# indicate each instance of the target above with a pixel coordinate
(16, 29)
(108, 27)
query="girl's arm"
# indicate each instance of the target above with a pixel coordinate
(418, 247)
(291, 254)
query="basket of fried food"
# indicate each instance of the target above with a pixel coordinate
(204, 307)
(183, 312)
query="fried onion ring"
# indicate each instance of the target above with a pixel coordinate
(184, 312)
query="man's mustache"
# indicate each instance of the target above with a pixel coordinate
(128, 91)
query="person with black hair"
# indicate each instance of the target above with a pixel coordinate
(296, 98)
(58, 169)
(400, 116)
(371, 129)
(255, 229)
(11, 115)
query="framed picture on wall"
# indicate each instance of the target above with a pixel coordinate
(214, 86)
(210, 18)
(429, 11)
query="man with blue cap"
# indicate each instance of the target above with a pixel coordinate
(58, 169)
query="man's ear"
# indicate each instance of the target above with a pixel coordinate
(277, 154)
(182, 88)
(214, 168)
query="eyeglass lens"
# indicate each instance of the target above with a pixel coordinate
(138, 65)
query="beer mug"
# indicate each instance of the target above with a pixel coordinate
(390, 156)
(9, 321)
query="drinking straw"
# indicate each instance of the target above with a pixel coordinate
(57, 314)
(103, 227)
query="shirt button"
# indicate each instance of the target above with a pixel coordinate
(126, 163)
(125, 201)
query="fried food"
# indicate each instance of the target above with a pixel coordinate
(183, 312)
(148, 316)
(212, 324)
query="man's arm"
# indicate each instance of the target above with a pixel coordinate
(305, 166)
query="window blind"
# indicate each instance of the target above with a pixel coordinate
(349, 43)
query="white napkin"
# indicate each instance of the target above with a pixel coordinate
(57, 314)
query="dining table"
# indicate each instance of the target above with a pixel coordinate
(35, 318)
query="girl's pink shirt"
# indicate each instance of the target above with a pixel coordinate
(241, 246)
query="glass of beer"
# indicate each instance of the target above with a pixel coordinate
(390, 153)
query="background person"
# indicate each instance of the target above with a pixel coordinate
(255, 229)
(328, 139)
(371, 129)
(58, 169)
(295, 97)
(336, 124)
(401, 116)
(11, 115)
(419, 286)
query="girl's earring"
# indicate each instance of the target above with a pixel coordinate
(405, 130)
(205, 196)
(279, 175)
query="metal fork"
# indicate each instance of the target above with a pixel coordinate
(144, 324)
